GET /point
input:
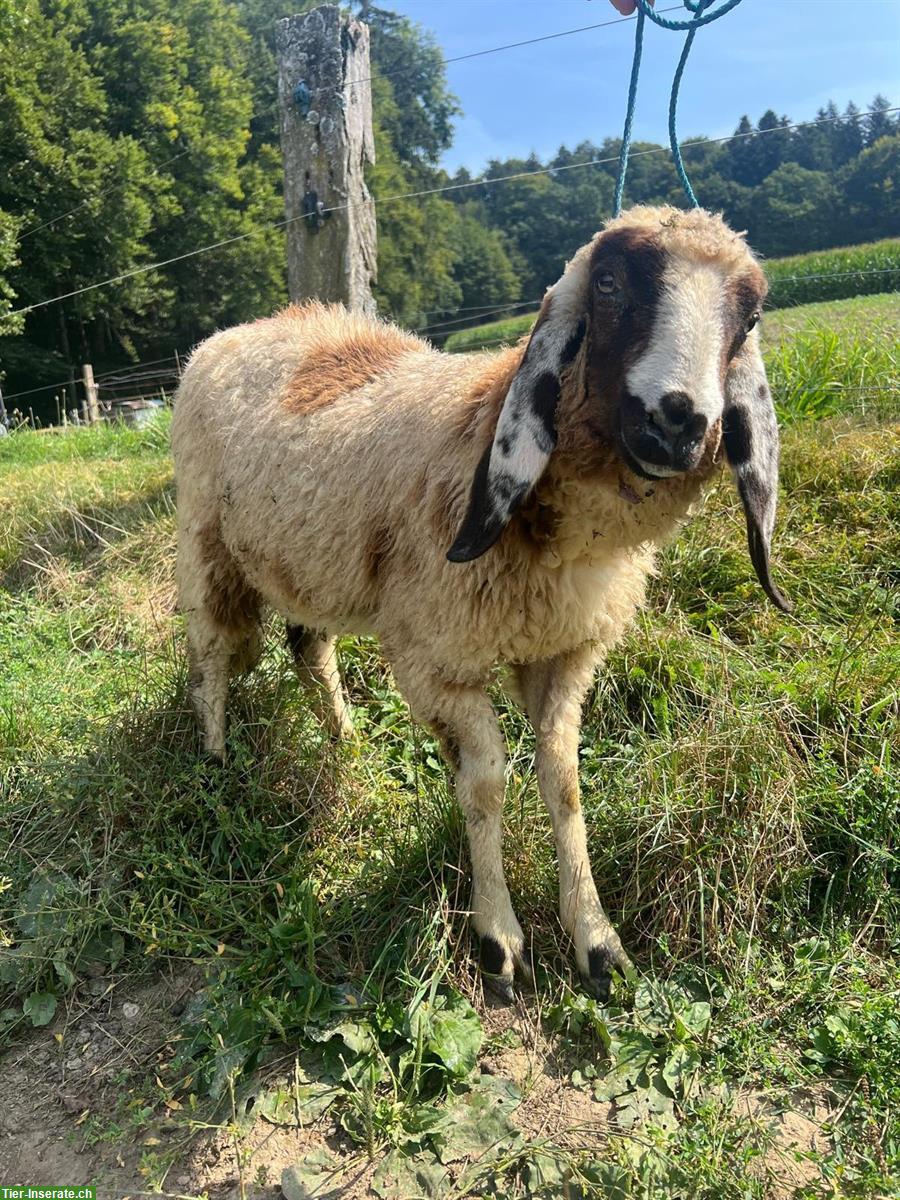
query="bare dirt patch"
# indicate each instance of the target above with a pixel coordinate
(82, 1105)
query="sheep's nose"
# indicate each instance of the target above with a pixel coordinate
(669, 437)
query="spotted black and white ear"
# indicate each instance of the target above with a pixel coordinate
(750, 431)
(526, 429)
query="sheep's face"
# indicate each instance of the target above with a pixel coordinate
(663, 331)
(658, 311)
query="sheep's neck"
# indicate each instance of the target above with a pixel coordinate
(590, 505)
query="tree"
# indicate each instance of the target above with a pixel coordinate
(58, 157)
(878, 123)
(179, 73)
(847, 136)
(124, 134)
(8, 260)
(870, 186)
(793, 208)
(482, 268)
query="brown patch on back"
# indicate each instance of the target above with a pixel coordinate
(344, 365)
(229, 599)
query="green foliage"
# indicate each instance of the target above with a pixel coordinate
(792, 190)
(653, 1052)
(482, 267)
(488, 337)
(129, 122)
(8, 260)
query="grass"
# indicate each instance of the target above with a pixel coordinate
(740, 786)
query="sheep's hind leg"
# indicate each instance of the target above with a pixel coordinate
(221, 612)
(315, 660)
(553, 692)
(466, 725)
(209, 656)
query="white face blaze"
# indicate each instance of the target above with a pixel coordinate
(684, 352)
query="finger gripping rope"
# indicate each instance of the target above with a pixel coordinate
(700, 17)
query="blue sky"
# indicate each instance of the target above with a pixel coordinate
(790, 55)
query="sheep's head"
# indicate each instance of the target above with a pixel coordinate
(664, 304)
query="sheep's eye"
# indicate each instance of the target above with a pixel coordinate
(606, 284)
(753, 320)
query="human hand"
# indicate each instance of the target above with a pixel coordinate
(625, 7)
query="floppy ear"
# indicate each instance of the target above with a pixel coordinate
(526, 429)
(750, 431)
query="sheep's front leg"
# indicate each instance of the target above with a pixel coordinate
(553, 692)
(466, 725)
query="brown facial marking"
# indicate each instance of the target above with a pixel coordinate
(619, 328)
(744, 295)
(331, 371)
(230, 600)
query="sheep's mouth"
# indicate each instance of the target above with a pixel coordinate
(643, 470)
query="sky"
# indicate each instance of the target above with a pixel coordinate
(790, 55)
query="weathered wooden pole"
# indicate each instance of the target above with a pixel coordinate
(91, 404)
(325, 97)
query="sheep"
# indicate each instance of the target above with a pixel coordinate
(474, 510)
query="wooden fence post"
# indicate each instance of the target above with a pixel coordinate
(91, 403)
(325, 98)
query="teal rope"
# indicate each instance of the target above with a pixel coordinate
(700, 17)
(629, 113)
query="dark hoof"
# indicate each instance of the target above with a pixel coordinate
(598, 981)
(497, 969)
(500, 987)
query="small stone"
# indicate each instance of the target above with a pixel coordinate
(74, 1064)
(130, 1011)
(94, 970)
(96, 987)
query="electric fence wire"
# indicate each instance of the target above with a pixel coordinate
(421, 193)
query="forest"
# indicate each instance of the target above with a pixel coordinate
(134, 131)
